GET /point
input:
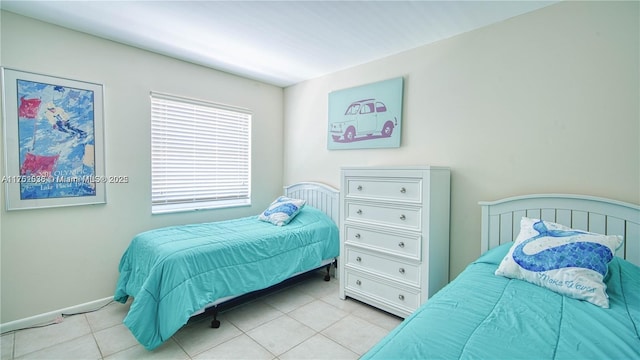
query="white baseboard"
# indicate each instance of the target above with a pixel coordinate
(52, 316)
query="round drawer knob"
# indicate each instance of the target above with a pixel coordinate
(358, 282)
(401, 297)
(402, 217)
(359, 212)
(403, 190)
(357, 236)
(359, 187)
(358, 259)
(401, 270)
(401, 244)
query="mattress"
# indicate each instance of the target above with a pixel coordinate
(483, 316)
(174, 272)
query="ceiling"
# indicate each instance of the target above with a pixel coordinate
(277, 42)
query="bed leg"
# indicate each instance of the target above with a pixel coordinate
(334, 263)
(328, 276)
(215, 323)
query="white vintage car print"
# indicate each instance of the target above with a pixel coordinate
(364, 119)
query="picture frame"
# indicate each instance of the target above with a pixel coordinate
(54, 141)
(367, 116)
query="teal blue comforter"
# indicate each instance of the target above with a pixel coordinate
(175, 271)
(483, 316)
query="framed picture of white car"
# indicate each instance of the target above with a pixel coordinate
(366, 117)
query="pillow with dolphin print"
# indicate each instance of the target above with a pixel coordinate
(567, 261)
(282, 210)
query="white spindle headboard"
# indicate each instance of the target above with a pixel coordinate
(501, 218)
(320, 196)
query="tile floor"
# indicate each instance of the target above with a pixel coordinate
(305, 320)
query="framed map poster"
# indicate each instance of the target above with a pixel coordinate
(54, 141)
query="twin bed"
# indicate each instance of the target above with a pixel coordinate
(176, 272)
(555, 313)
(485, 316)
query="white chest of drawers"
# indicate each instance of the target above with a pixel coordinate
(394, 235)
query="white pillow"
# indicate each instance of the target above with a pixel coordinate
(282, 210)
(567, 261)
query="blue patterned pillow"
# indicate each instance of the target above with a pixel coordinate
(282, 210)
(567, 261)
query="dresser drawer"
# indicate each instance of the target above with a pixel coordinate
(400, 217)
(369, 286)
(391, 268)
(405, 189)
(399, 244)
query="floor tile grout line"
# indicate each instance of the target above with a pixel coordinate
(93, 335)
(181, 347)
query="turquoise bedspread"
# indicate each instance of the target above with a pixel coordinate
(483, 316)
(173, 272)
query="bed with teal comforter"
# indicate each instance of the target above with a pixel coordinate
(173, 272)
(483, 316)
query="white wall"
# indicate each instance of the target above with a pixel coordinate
(544, 102)
(60, 257)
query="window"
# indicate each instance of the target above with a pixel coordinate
(200, 155)
(366, 108)
(353, 109)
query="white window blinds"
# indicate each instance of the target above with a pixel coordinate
(200, 154)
